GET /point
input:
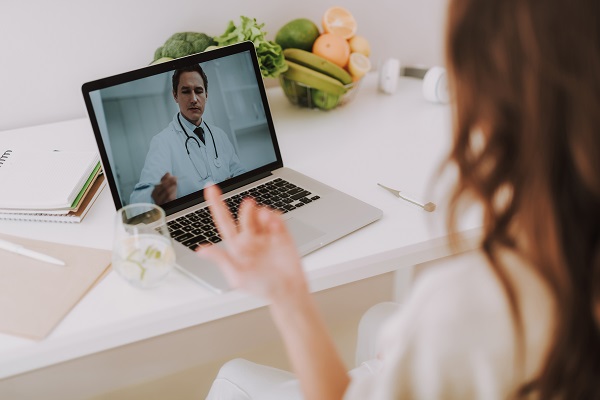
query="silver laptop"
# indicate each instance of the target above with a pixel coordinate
(165, 130)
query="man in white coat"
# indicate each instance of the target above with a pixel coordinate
(188, 153)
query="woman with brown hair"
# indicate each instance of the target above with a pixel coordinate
(520, 318)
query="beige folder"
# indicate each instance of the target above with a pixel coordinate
(34, 295)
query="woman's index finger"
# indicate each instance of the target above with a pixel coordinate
(220, 212)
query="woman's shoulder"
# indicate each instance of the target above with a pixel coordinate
(469, 282)
(456, 281)
(466, 290)
(458, 322)
(459, 296)
(454, 336)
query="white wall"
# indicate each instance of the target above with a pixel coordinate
(50, 48)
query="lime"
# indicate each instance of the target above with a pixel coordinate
(324, 100)
(300, 33)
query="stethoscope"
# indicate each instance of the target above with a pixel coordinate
(216, 161)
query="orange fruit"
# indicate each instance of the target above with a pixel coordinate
(333, 48)
(340, 21)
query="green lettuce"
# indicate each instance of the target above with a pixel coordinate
(270, 55)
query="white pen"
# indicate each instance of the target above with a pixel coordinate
(17, 248)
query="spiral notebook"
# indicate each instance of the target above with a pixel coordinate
(47, 180)
(75, 215)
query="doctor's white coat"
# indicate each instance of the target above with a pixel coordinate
(167, 153)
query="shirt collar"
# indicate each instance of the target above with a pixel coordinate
(188, 125)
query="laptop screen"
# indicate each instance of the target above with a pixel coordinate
(166, 130)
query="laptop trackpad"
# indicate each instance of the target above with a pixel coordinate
(302, 233)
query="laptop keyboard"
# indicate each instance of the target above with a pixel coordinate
(197, 228)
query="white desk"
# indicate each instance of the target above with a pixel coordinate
(397, 140)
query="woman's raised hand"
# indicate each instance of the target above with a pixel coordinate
(260, 256)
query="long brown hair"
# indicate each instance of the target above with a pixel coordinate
(525, 81)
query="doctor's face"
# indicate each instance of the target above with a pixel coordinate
(191, 96)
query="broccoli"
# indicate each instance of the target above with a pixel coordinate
(184, 43)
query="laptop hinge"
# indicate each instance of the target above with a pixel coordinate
(245, 182)
(229, 188)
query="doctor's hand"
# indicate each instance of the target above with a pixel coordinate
(166, 190)
(260, 256)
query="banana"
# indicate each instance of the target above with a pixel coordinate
(318, 63)
(314, 79)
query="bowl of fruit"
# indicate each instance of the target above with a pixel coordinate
(324, 68)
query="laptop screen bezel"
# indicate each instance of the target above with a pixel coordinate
(195, 198)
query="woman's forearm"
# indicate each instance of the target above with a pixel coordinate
(313, 355)
(261, 258)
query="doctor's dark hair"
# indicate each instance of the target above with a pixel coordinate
(526, 93)
(190, 68)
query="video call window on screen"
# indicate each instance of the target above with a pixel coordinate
(136, 118)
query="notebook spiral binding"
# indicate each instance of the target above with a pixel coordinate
(4, 156)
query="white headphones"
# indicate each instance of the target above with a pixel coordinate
(435, 80)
